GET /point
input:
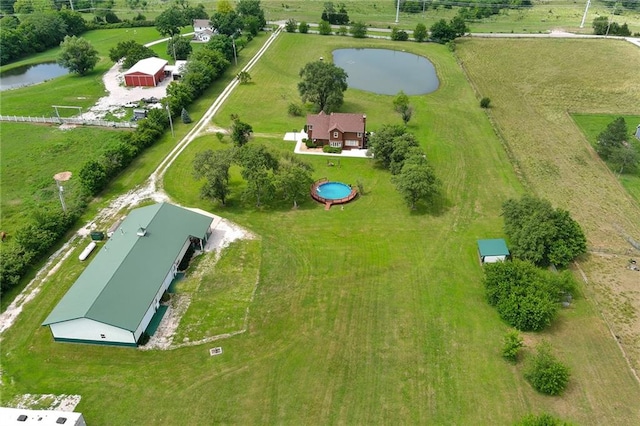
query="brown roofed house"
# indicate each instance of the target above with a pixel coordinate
(346, 131)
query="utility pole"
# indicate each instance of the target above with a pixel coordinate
(235, 54)
(170, 121)
(397, 11)
(584, 17)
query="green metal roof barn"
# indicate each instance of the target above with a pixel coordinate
(116, 296)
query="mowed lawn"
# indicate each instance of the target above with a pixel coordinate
(371, 314)
(554, 79)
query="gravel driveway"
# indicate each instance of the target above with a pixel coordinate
(119, 95)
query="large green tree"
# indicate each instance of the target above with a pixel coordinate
(251, 8)
(223, 44)
(416, 181)
(240, 131)
(293, 179)
(213, 166)
(77, 55)
(258, 167)
(323, 84)
(227, 23)
(131, 51)
(625, 159)
(541, 234)
(381, 144)
(612, 138)
(168, 23)
(179, 48)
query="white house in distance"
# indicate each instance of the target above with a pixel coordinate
(117, 295)
(146, 72)
(638, 132)
(203, 30)
(492, 251)
(24, 417)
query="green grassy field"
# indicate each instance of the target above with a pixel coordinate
(543, 16)
(555, 158)
(228, 284)
(371, 314)
(32, 154)
(592, 124)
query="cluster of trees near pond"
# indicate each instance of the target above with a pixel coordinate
(35, 239)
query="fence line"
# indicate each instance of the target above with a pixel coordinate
(69, 120)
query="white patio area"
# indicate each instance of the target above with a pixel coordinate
(301, 148)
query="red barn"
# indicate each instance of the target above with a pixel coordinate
(146, 72)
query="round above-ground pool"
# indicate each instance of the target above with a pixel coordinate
(333, 190)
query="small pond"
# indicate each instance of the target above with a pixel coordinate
(387, 72)
(30, 74)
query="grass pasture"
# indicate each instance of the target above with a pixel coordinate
(371, 314)
(32, 154)
(593, 124)
(555, 158)
(543, 16)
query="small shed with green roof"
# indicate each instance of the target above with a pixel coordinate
(492, 251)
(117, 295)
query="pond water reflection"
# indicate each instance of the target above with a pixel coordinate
(387, 72)
(30, 74)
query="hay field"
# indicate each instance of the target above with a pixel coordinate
(534, 86)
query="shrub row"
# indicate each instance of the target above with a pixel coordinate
(32, 242)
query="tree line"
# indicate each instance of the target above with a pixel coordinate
(268, 177)
(440, 32)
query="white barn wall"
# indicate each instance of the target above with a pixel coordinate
(87, 329)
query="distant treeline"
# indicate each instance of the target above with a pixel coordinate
(39, 31)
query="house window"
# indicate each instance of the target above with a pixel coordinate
(102, 336)
(359, 134)
(351, 143)
(309, 127)
(335, 135)
(336, 144)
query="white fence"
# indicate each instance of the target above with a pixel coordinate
(69, 120)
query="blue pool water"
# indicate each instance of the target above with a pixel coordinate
(333, 190)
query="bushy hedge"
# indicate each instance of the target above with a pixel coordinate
(32, 241)
(331, 149)
(546, 374)
(526, 297)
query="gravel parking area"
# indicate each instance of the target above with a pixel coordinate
(118, 95)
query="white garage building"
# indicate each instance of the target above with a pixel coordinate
(116, 296)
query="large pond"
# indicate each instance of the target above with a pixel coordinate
(386, 71)
(30, 74)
